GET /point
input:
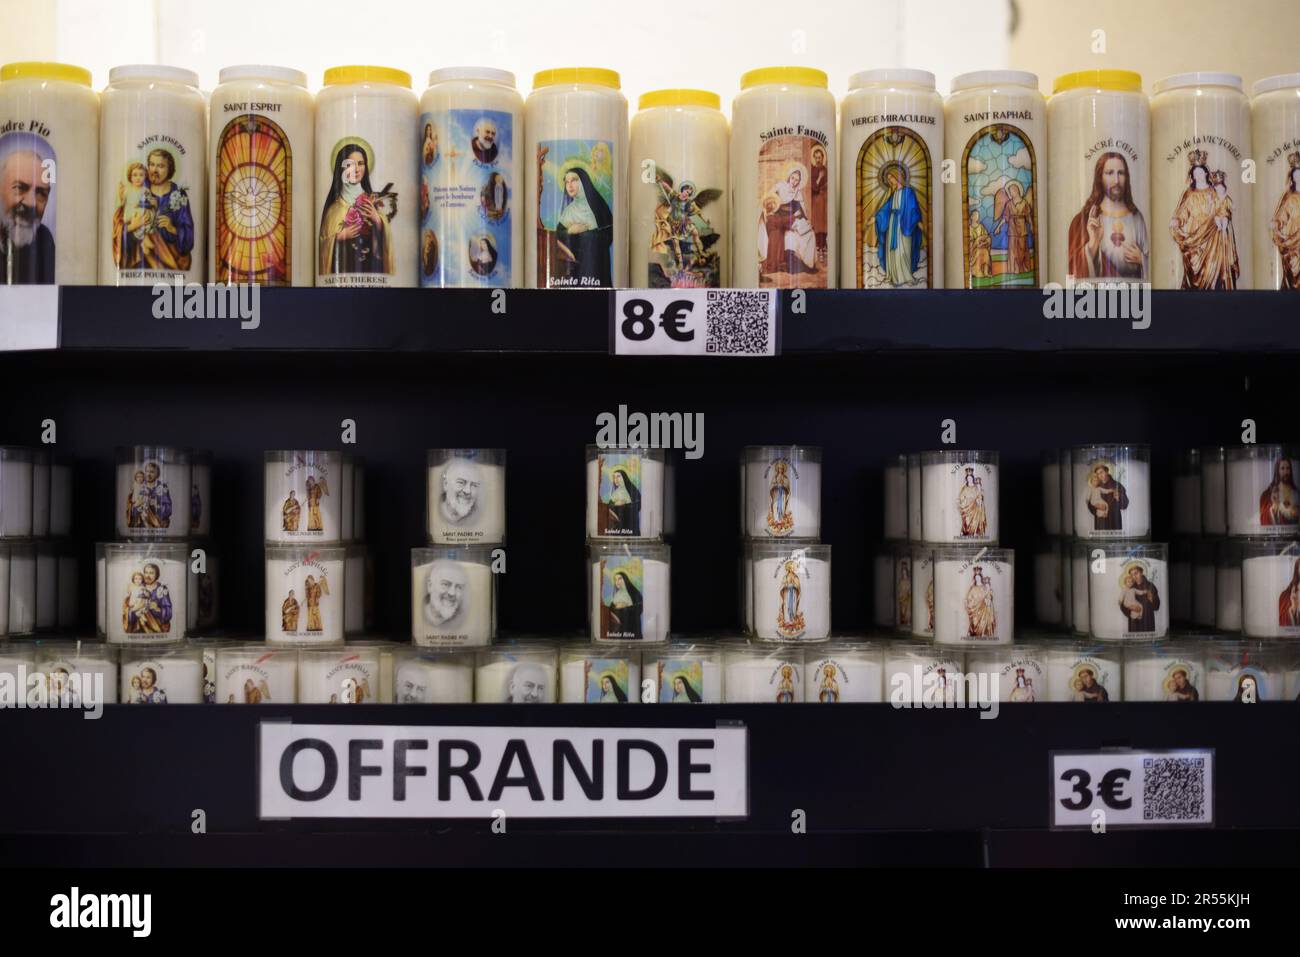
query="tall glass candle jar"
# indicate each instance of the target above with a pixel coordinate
(521, 672)
(1099, 161)
(677, 177)
(1051, 474)
(1084, 671)
(1112, 491)
(22, 588)
(358, 583)
(433, 676)
(1227, 585)
(47, 585)
(1066, 491)
(1275, 122)
(1187, 493)
(146, 589)
(49, 152)
(575, 183)
(72, 668)
(959, 496)
(200, 494)
(1048, 594)
(922, 673)
(305, 594)
(903, 588)
(996, 217)
(153, 492)
(472, 165)
(882, 587)
(1020, 672)
(683, 673)
(783, 180)
(895, 482)
(922, 590)
(1181, 562)
(208, 652)
(783, 491)
(69, 596)
(629, 591)
(453, 596)
(304, 496)
(1201, 209)
(1164, 671)
(1081, 557)
(1204, 576)
(256, 674)
(1270, 588)
(914, 497)
(1244, 670)
(758, 673)
(171, 674)
(467, 496)
(1214, 493)
(891, 152)
(845, 671)
(792, 591)
(153, 130)
(40, 493)
(17, 495)
(365, 181)
(346, 675)
(1128, 590)
(974, 595)
(625, 492)
(747, 584)
(60, 498)
(261, 201)
(600, 674)
(1263, 497)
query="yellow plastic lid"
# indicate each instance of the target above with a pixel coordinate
(702, 98)
(338, 75)
(590, 75)
(1126, 81)
(36, 70)
(785, 76)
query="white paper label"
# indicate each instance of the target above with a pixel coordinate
(1137, 789)
(694, 322)
(29, 318)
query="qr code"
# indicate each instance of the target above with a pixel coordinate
(1175, 789)
(737, 323)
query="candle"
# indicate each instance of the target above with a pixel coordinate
(974, 595)
(347, 675)
(424, 676)
(684, 673)
(1291, 675)
(201, 494)
(922, 616)
(40, 493)
(1080, 564)
(1047, 583)
(747, 584)
(1112, 491)
(1275, 120)
(205, 592)
(387, 651)
(1244, 671)
(783, 491)
(792, 591)
(1066, 491)
(896, 513)
(516, 673)
(1214, 495)
(1204, 575)
(903, 588)
(1020, 670)
(153, 492)
(355, 587)
(453, 595)
(1083, 671)
(757, 673)
(1128, 590)
(883, 610)
(167, 675)
(90, 661)
(256, 674)
(1067, 584)
(208, 648)
(1262, 497)
(47, 586)
(60, 499)
(1051, 474)
(914, 497)
(101, 594)
(1227, 586)
(918, 673)
(597, 675)
(1270, 589)
(22, 588)
(845, 671)
(304, 496)
(16, 495)
(1164, 671)
(146, 591)
(625, 493)
(959, 496)
(630, 591)
(305, 594)
(68, 577)
(1187, 493)
(467, 496)
(1181, 584)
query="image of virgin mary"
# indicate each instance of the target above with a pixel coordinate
(585, 230)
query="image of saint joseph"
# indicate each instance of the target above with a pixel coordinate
(153, 226)
(900, 233)
(1108, 236)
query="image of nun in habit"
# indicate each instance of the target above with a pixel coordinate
(624, 506)
(624, 609)
(354, 232)
(585, 230)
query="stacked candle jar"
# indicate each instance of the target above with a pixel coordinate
(38, 568)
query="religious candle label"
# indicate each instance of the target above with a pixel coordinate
(253, 176)
(784, 498)
(575, 213)
(430, 682)
(467, 502)
(147, 599)
(794, 192)
(1022, 678)
(1084, 678)
(1262, 497)
(975, 601)
(632, 599)
(308, 595)
(922, 589)
(1157, 677)
(792, 597)
(1271, 595)
(1001, 238)
(959, 502)
(452, 603)
(152, 230)
(27, 156)
(1113, 498)
(893, 183)
(1204, 228)
(1127, 597)
(601, 681)
(687, 681)
(903, 592)
(162, 681)
(516, 680)
(265, 678)
(153, 499)
(846, 677)
(349, 679)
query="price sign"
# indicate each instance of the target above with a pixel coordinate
(1142, 789)
(694, 322)
(29, 318)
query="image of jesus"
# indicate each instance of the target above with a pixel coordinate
(1108, 236)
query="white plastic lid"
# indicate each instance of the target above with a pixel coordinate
(150, 71)
(258, 72)
(1283, 81)
(485, 73)
(994, 78)
(1181, 81)
(915, 77)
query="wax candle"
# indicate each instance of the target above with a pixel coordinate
(89, 661)
(920, 673)
(208, 648)
(467, 496)
(1201, 211)
(387, 651)
(60, 499)
(152, 139)
(356, 585)
(146, 591)
(1084, 671)
(783, 491)
(997, 129)
(1204, 582)
(629, 597)
(1227, 585)
(16, 494)
(883, 610)
(1181, 582)
(1112, 491)
(201, 494)
(256, 674)
(600, 675)
(1081, 557)
(792, 591)
(625, 493)
(346, 675)
(895, 523)
(845, 671)
(757, 673)
(1275, 122)
(40, 493)
(166, 675)
(305, 594)
(1128, 586)
(205, 592)
(304, 497)
(101, 590)
(1245, 671)
(575, 121)
(1051, 474)
(922, 591)
(1067, 584)
(1214, 494)
(903, 588)
(523, 672)
(1047, 583)
(153, 493)
(1164, 671)
(22, 588)
(747, 584)
(914, 497)
(783, 181)
(1187, 493)
(1020, 672)
(453, 595)
(1270, 588)
(68, 595)
(959, 496)
(683, 673)
(47, 586)
(424, 676)
(1066, 492)
(974, 595)
(1262, 495)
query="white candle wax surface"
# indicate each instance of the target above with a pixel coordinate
(1271, 596)
(47, 588)
(1157, 675)
(622, 584)
(60, 500)
(4, 591)
(1204, 577)
(1067, 494)
(1262, 497)
(616, 482)
(41, 495)
(345, 677)
(428, 681)
(1112, 499)
(1021, 674)
(843, 676)
(922, 594)
(1187, 504)
(1079, 594)
(914, 501)
(1214, 501)
(153, 499)
(974, 602)
(1092, 677)
(689, 679)
(16, 519)
(304, 501)
(895, 502)
(467, 502)
(758, 680)
(1227, 598)
(354, 588)
(68, 576)
(146, 599)
(959, 502)
(257, 677)
(792, 599)
(517, 679)
(172, 679)
(452, 603)
(600, 681)
(784, 498)
(305, 598)
(1129, 598)
(22, 592)
(1180, 590)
